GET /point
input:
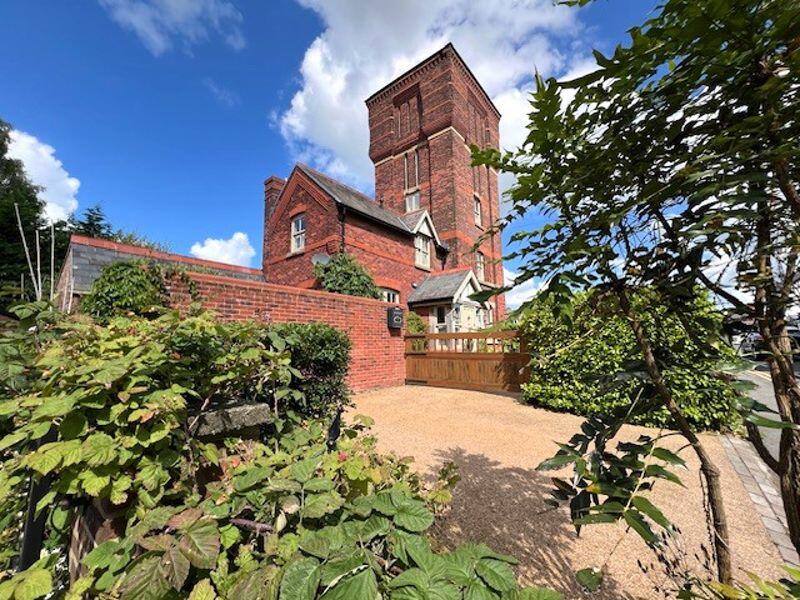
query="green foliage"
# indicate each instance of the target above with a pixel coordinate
(286, 517)
(415, 324)
(787, 588)
(344, 275)
(125, 287)
(322, 355)
(587, 364)
(137, 287)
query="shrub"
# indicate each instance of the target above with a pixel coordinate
(125, 287)
(415, 324)
(322, 355)
(344, 275)
(284, 517)
(581, 367)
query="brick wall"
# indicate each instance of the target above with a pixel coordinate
(377, 356)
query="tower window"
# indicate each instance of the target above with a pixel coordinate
(411, 180)
(480, 266)
(476, 211)
(422, 251)
(298, 233)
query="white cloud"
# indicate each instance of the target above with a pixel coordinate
(59, 189)
(235, 251)
(365, 45)
(523, 292)
(160, 24)
(222, 94)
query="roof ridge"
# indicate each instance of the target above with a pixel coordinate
(349, 187)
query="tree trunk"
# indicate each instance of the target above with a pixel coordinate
(709, 470)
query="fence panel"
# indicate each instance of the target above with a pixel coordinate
(489, 361)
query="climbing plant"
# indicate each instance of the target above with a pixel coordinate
(343, 274)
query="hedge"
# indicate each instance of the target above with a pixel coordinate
(588, 367)
(322, 354)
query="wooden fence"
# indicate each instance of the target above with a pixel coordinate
(489, 361)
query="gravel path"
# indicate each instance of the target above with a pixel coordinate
(497, 443)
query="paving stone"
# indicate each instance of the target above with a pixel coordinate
(789, 555)
(758, 499)
(765, 511)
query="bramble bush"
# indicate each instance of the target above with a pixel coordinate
(285, 517)
(321, 354)
(343, 274)
(579, 365)
(415, 324)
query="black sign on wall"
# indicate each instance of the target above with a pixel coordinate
(394, 317)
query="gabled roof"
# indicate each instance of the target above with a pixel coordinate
(442, 286)
(355, 200)
(89, 255)
(415, 220)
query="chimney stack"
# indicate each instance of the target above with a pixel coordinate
(273, 186)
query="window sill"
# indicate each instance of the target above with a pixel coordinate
(422, 267)
(296, 253)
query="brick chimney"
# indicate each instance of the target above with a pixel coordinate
(273, 186)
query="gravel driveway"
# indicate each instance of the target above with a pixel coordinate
(497, 443)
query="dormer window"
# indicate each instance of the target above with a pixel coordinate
(411, 180)
(298, 243)
(422, 251)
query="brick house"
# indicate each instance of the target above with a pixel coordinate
(416, 237)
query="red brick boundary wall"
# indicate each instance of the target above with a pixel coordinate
(377, 356)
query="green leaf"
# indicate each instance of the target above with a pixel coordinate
(636, 522)
(200, 543)
(229, 535)
(250, 477)
(304, 470)
(412, 515)
(99, 449)
(648, 508)
(498, 575)
(590, 578)
(175, 567)
(300, 580)
(668, 456)
(145, 581)
(361, 586)
(203, 590)
(35, 583)
(319, 505)
(94, 484)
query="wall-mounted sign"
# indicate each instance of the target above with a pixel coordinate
(394, 317)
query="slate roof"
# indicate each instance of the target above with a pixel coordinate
(89, 256)
(440, 286)
(355, 200)
(412, 219)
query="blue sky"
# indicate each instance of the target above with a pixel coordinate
(171, 113)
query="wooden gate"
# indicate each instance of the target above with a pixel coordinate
(490, 361)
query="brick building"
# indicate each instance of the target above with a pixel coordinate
(417, 237)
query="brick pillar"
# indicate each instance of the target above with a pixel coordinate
(273, 186)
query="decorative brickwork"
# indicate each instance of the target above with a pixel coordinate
(377, 358)
(421, 127)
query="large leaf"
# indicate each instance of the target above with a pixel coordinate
(300, 580)
(175, 567)
(203, 590)
(361, 586)
(200, 543)
(36, 583)
(498, 575)
(412, 515)
(145, 581)
(319, 505)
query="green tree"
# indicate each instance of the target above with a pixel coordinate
(344, 275)
(93, 223)
(674, 165)
(15, 188)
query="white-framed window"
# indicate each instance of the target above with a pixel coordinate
(298, 233)
(422, 251)
(480, 266)
(411, 179)
(389, 295)
(412, 201)
(476, 211)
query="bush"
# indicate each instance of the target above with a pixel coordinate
(583, 367)
(322, 355)
(125, 287)
(283, 517)
(415, 325)
(344, 275)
